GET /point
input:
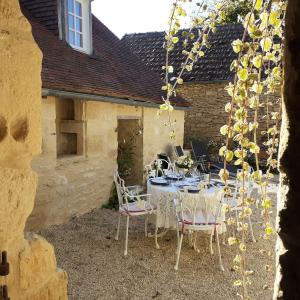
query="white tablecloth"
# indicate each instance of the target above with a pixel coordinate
(163, 196)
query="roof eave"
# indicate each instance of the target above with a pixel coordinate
(101, 98)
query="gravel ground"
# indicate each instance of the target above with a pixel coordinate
(86, 249)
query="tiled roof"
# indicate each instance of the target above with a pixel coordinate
(214, 66)
(44, 11)
(111, 70)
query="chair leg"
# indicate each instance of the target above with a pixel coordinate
(155, 235)
(224, 237)
(219, 250)
(237, 220)
(126, 237)
(178, 238)
(178, 251)
(251, 230)
(211, 241)
(146, 226)
(118, 228)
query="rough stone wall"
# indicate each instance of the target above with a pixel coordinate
(73, 185)
(207, 115)
(33, 270)
(288, 272)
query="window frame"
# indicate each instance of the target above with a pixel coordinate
(86, 24)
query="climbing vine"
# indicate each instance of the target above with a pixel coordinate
(256, 94)
(195, 40)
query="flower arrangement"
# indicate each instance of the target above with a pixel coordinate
(184, 162)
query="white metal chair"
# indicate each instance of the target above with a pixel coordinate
(235, 203)
(156, 168)
(131, 205)
(196, 213)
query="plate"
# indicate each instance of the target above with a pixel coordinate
(159, 181)
(193, 189)
(174, 176)
(220, 183)
(189, 188)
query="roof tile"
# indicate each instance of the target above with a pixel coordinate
(112, 70)
(214, 66)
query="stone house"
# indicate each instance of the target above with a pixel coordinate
(94, 94)
(204, 85)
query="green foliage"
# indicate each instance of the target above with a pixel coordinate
(235, 10)
(113, 202)
(126, 159)
(126, 155)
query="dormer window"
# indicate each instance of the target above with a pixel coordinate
(79, 25)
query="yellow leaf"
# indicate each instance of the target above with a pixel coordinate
(229, 88)
(224, 129)
(237, 259)
(240, 154)
(273, 17)
(269, 230)
(245, 61)
(254, 148)
(232, 241)
(267, 203)
(266, 44)
(229, 155)
(276, 72)
(243, 74)
(228, 107)
(222, 151)
(242, 247)
(237, 283)
(175, 39)
(237, 45)
(224, 174)
(257, 61)
(179, 80)
(170, 69)
(258, 4)
(238, 162)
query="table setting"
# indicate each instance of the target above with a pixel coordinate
(166, 188)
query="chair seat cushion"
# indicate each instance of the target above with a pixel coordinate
(137, 207)
(199, 220)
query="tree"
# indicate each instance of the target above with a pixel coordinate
(236, 9)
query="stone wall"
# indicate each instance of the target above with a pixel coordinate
(207, 115)
(288, 260)
(75, 184)
(33, 271)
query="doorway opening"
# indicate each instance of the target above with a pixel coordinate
(130, 150)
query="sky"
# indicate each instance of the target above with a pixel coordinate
(132, 16)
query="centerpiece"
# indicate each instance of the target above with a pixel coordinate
(184, 162)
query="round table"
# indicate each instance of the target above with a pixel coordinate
(163, 196)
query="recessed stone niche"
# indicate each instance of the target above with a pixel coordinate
(3, 128)
(19, 129)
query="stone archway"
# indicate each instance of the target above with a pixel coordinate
(287, 284)
(33, 271)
